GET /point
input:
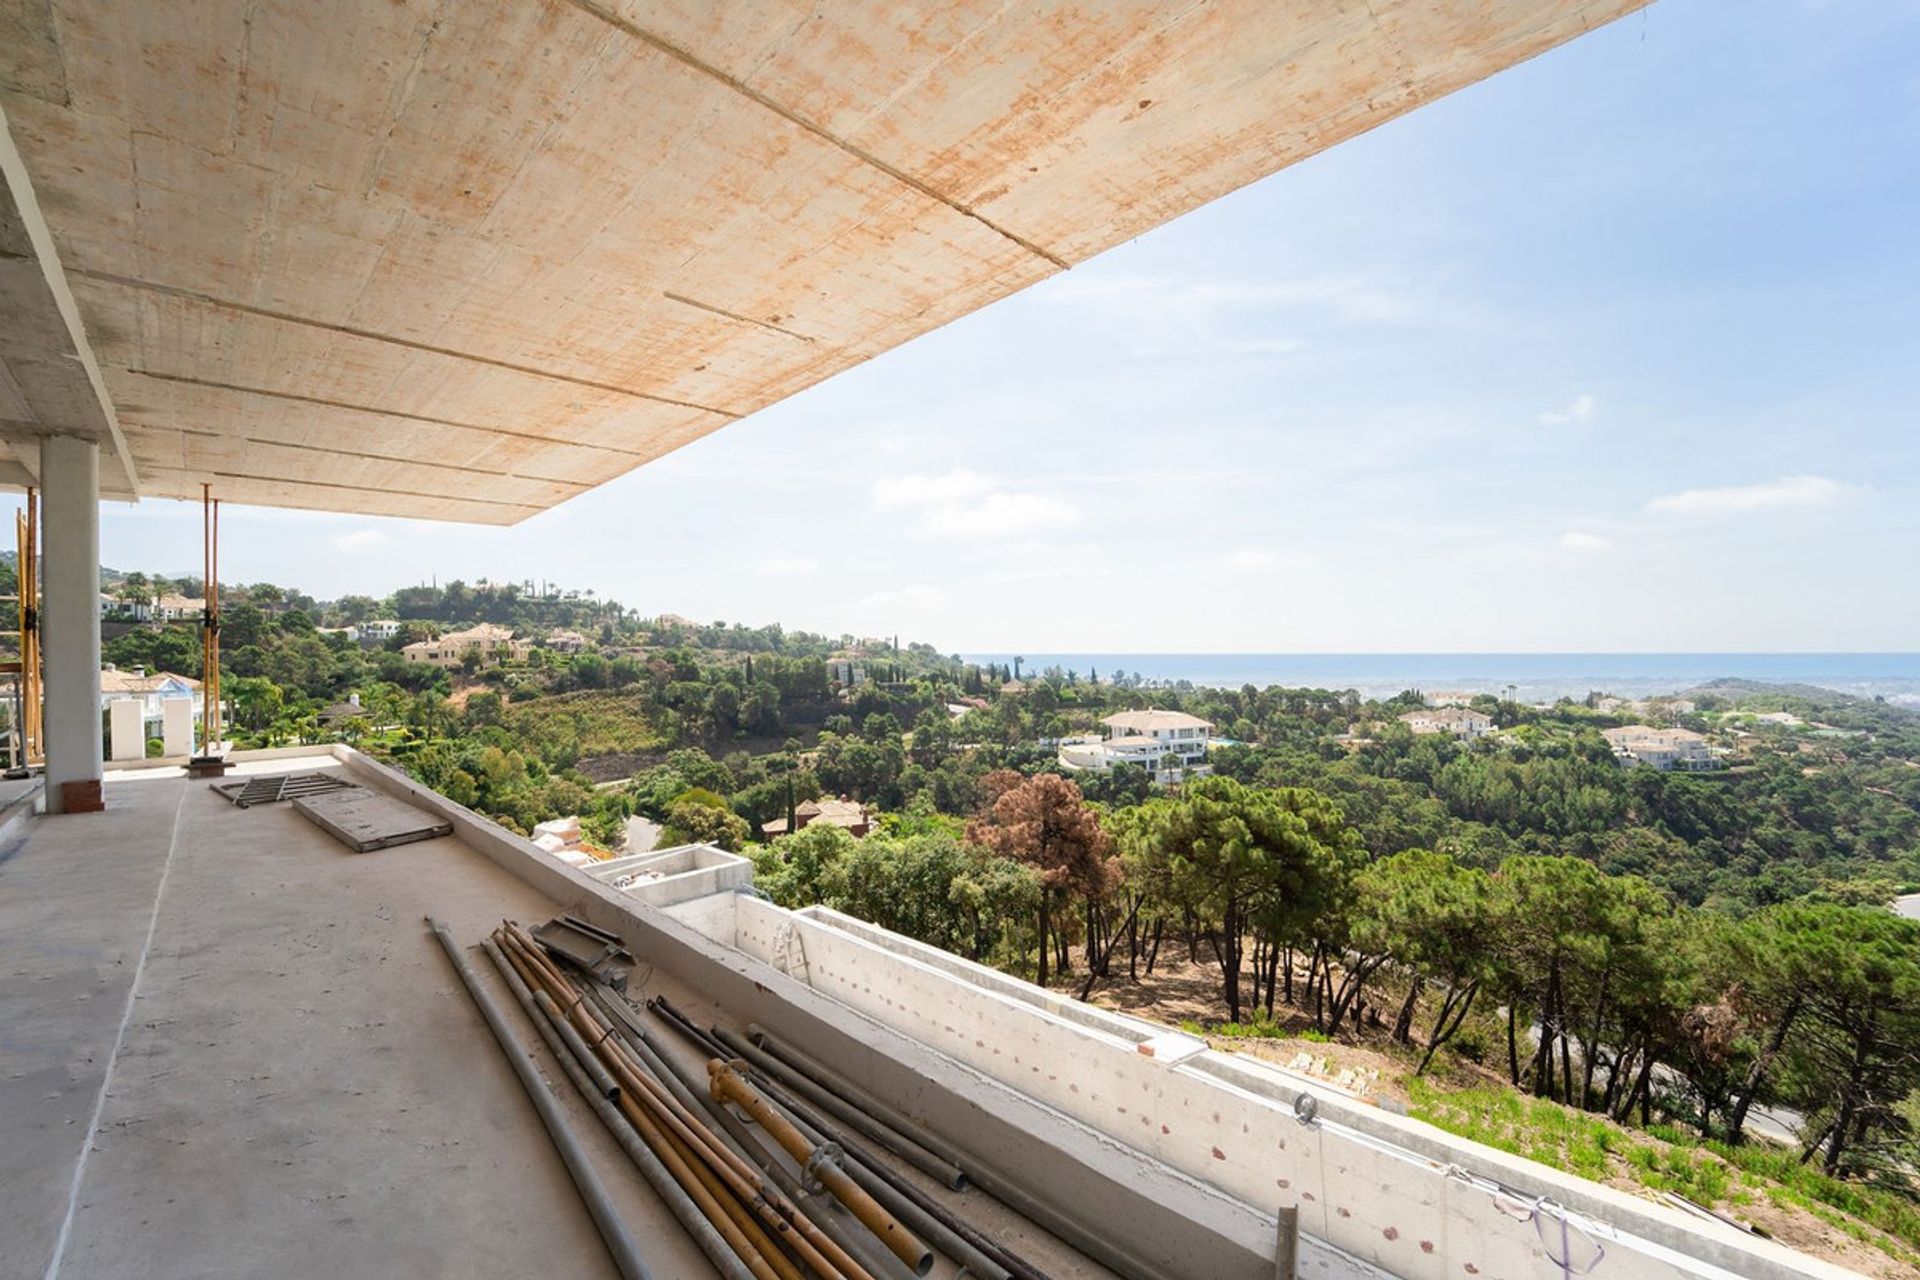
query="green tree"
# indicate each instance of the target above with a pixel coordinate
(691, 820)
(1242, 859)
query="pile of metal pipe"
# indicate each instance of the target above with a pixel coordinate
(956, 1238)
(764, 1160)
(752, 1226)
(621, 1246)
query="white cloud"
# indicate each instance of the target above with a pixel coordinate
(1250, 558)
(359, 540)
(966, 504)
(1574, 540)
(1579, 411)
(919, 595)
(788, 568)
(1786, 493)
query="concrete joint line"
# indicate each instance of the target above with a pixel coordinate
(710, 309)
(353, 488)
(267, 313)
(795, 118)
(113, 1055)
(294, 397)
(201, 434)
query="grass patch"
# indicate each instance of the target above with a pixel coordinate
(1261, 1028)
(1709, 1173)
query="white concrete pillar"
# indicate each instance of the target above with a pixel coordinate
(176, 726)
(70, 613)
(126, 729)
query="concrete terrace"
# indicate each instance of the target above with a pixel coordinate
(231, 1049)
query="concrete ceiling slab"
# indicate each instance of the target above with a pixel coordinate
(468, 258)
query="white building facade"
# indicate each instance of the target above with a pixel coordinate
(1663, 749)
(1461, 722)
(1168, 745)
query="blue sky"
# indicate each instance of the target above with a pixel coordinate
(1615, 351)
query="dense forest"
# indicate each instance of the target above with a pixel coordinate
(1649, 946)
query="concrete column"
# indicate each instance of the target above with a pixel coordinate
(176, 726)
(126, 729)
(70, 613)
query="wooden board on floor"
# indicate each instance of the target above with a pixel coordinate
(365, 820)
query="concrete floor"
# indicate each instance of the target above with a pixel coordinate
(228, 1047)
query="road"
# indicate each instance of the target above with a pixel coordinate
(642, 835)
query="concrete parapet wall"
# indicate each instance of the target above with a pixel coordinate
(1179, 1225)
(1398, 1193)
(1178, 1164)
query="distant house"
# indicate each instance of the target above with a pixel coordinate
(171, 607)
(848, 814)
(152, 691)
(1169, 745)
(1450, 698)
(174, 607)
(566, 641)
(379, 631)
(336, 714)
(351, 632)
(1662, 749)
(1461, 722)
(1784, 718)
(487, 643)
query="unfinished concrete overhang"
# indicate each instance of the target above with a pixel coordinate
(465, 259)
(49, 380)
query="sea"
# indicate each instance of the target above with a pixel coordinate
(1532, 677)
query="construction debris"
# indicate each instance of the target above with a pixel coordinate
(366, 820)
(589, 947)
(278, 786)
(621, 1245)
(773, 1191)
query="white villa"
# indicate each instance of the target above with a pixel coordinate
(1663, 749)
(138, 706)
(1169, 745)
(489, 643)
(379, 630)
(1461, 722)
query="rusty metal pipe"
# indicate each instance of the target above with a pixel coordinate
(827, 1213)
(780, 1216)
(686, 1175)
(728, 1085)
(839, 1108)
(819, 1251)
(946, 1231)
(658, 1176)
(951, 1234)
(738, 1216)
(620, 1243)
(602, 1079)
(865, 1099)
